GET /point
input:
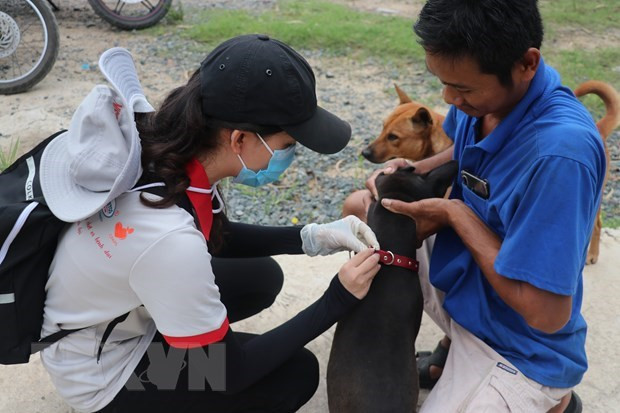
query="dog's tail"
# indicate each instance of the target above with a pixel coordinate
(610, 97)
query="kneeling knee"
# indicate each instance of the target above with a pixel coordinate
(357, 204)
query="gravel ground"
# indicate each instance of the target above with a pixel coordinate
(314, 187)
(611, 197)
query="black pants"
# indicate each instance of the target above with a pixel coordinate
(247, 286)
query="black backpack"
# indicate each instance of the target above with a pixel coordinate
(28, 239)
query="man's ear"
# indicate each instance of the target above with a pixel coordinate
(528, 65)
(442, 177)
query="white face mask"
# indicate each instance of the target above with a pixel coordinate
(214, 195)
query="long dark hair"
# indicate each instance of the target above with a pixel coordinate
(177, 133)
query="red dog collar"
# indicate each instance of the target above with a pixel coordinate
(389, 258)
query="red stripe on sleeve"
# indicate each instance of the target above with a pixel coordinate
(200, 340)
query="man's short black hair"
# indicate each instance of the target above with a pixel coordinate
(496, 33)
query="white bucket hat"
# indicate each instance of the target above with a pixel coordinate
(98, 158)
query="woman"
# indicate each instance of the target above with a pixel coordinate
(143, 261)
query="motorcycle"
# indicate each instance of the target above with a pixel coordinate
(131, 14)
(29, 40)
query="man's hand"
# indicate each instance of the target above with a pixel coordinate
(430, 215)
(390, 167)
(421, 167)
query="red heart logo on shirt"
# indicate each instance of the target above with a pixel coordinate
(122, 232)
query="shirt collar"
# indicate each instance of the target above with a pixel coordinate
(201, 201)
(544, 81)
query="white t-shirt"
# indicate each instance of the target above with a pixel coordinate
(126, 256)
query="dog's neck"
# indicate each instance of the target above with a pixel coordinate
(439, 141)
(395, 232)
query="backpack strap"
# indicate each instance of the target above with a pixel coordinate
(108, 331)
(45, 342)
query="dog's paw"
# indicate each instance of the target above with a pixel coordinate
(591, 258)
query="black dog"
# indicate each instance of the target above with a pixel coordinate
(372, 365)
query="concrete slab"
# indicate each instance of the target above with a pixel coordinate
(27, 388)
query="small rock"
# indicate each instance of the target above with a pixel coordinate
(387, 11)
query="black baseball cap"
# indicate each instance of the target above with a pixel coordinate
(256, 79)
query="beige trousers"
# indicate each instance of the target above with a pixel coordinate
(475, 377)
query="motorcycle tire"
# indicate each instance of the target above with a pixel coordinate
(142, 14)
(11, 38)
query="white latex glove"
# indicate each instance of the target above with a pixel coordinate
(347, 234)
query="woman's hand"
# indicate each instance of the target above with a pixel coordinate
(430, 215)
(347, 234)
(357, 274)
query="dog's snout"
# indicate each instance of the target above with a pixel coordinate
(367, 153)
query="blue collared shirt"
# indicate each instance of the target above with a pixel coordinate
(545, 166)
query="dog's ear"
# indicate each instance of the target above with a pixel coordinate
(402, 95)
(442, 177)
(422, 118)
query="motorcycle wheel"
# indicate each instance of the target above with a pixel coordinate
(28, 44)
(131, 14)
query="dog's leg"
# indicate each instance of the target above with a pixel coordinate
(595, 240)
(593, 250)
(605, 126)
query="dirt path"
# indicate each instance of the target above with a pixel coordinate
(47, 107)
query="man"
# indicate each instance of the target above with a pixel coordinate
(506, 266)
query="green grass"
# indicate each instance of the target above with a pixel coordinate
(577, 66)
(7, 157)
(594, 15)
(312, 24)
(175, 14)
(584, 18)
(610, 222)
(339, 30)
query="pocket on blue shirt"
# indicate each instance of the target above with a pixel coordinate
(479, 205)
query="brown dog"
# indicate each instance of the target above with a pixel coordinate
(411, 131)
(605, 126)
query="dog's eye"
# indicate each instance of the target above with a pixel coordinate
(392, 137)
